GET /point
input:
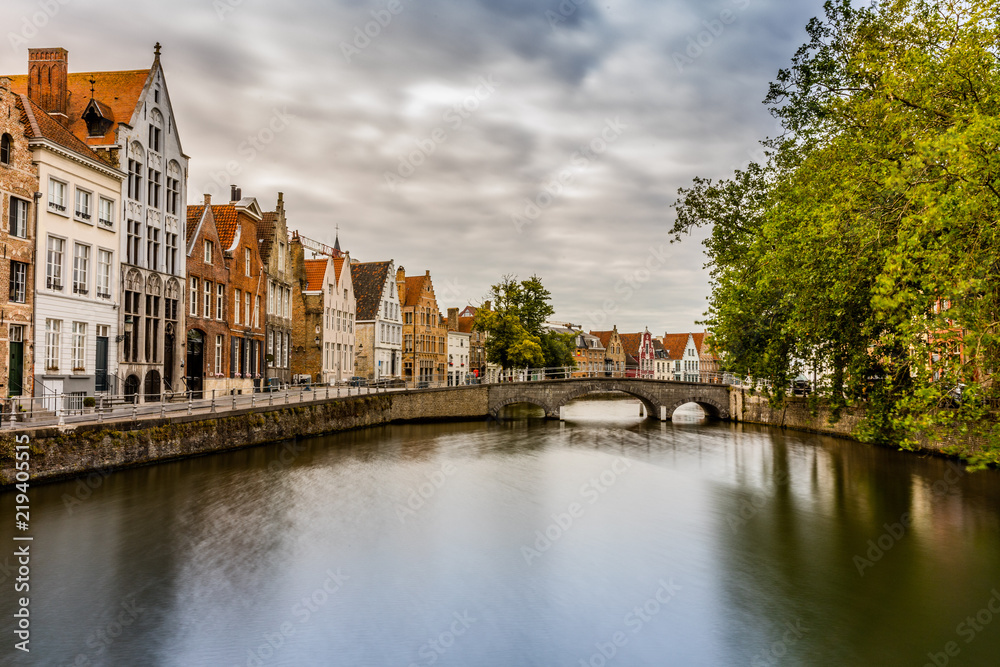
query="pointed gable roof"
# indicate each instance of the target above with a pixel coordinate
(414, 290)
(631, 344)
(315, 270)
(194, 217)
(674, 345)
(117, 92)
(603, 336)
(369, 281)
(338, 270)
(265, 234)
(40, 125)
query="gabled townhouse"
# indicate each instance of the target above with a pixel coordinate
(18, 185)
(424, 330)
(207, 369)
(661, 362)
(614, 353)
(75, 317)
(127, 118)
(481, 369)
(709, 366)
(379, 326)
(237, 224)
(682, 352)
(638, 350)
(273, 237)
(459, 351)
(323, 302)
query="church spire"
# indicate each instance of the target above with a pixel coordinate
(336, 242)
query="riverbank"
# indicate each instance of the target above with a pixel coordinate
(61, 453)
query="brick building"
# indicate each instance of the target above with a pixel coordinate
(480, 368)
(425, 332)
(18, 183)
(307, 313)
(614, 353)
(208, 345)
(273, 237)
(639, 355)
(237, 224)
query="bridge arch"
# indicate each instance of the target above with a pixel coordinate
(713, 409)
(648, 400)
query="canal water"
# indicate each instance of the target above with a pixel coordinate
(602, 540)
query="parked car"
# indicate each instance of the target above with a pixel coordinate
(357, 381)
(801, 387)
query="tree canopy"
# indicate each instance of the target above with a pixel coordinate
(865, 245)
(514, 324)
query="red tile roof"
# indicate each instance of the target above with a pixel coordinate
(631, 344)
(315, 274)
(194, 214)
(414, 290)
(338, 266)
(117, 91)
(465, 324)
(603, 336)
(226, 222)
(674, 345)
(703, 342)
(40, 125)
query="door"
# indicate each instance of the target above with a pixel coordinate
(101, 365)
(15, 383)
(195, 362)
(51, 393)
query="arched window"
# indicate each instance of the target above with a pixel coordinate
(155, 131)
(5, 148)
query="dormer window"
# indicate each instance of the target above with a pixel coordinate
(98, 118)
(5, 148)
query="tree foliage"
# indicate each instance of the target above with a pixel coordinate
(516, 338)
(865, 246)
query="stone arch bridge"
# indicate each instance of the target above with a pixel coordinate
(661, 397)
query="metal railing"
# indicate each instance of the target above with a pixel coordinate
(63, 409)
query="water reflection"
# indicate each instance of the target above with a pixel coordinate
(525, 542)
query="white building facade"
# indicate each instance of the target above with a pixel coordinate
(458, 358)
(339, 313)
(77, 270)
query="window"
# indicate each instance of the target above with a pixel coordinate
(270, 298)
(207, 305)
(218, 353)
(246, 255)
(5, 148)
(220, 296)
(133, 241)
(155, 134)
(105, 212)
(79, 345)
(152, 247)
(18, 218)
(105, 260)
(281, 256)
(256, 312)
(171, 257)
(82, 209)
(194, 297)
(54, 263)
(135, 180)
(18, 281)
(53, 341)
(57, 195)
(152, 328)
(246, 306)
(81, 268)
(154, 189)
(236, 307)
(131, 333)
(173, 194)
(209, 247)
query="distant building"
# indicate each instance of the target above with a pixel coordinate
(639, 354)
(424, 330)
(379, 327)
(682, 353)
(459, 351)
(272, 234)
(480, 368)
(614, 353)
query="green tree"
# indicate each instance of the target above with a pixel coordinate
(865, 245)
(558, 349)
(514, 325)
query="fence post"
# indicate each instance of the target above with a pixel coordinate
(253, 400)
(190, 396)
(213, 400)
(234, 400)
(270, 398)
(328, 390)
(135, 408)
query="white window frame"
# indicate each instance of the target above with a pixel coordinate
(57, 196)
(104, 272)
(106, 212)
(53, 344)
(79, 347)
(81, 269)
(83, 205)
(54, 259)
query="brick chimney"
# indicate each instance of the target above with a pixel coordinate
(208, 200)
(453, 319)
(47, 70)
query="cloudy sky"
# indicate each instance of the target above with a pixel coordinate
(474, 138)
